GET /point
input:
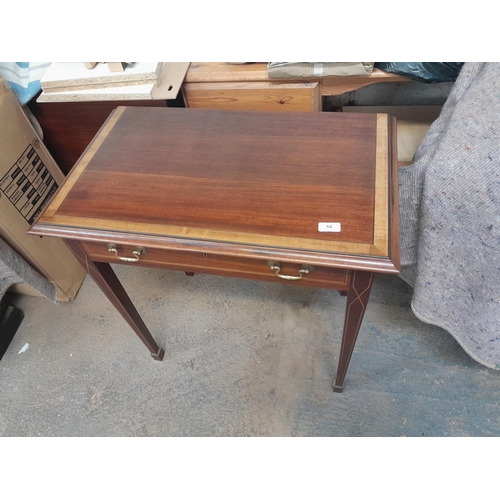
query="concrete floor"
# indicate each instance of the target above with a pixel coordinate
(243, 358)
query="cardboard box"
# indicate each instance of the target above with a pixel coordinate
(29, 177)
(413, 122)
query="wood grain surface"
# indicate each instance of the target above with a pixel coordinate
(254, 96)
(248, 178)
(224, 72)
(214, 263)
(68, 127)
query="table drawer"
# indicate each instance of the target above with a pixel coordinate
(206, 263)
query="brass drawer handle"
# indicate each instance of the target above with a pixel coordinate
(304, 269)
(137, 252)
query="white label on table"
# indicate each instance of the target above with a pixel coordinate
(329, 227)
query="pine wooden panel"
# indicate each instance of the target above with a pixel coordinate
(224, 72)
(338, 85)
(253, 96)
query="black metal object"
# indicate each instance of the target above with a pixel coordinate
(10, 319)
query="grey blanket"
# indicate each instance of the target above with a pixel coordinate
(14, 269)
(450, 216)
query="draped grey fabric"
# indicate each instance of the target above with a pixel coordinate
(14, 269)
(450, 216)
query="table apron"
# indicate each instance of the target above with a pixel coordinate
(212, 263)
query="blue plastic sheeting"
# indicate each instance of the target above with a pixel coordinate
(24, 78)
(428, 72)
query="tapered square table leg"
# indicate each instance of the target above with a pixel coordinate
(357, 300)
(107, 281)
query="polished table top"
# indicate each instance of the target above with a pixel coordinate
(316, 187)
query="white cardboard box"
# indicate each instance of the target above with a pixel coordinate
(29, 177)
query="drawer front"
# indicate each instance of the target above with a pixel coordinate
(206, 263)
(257, 96)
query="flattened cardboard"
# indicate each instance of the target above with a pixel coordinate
(29, 177)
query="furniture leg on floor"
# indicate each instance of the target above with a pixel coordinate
(357, 300)
(107, 281)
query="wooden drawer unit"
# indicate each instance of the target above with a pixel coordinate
(219, 85)
(206, 263)
(254, 96)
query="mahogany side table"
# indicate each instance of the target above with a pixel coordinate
(308, 199)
